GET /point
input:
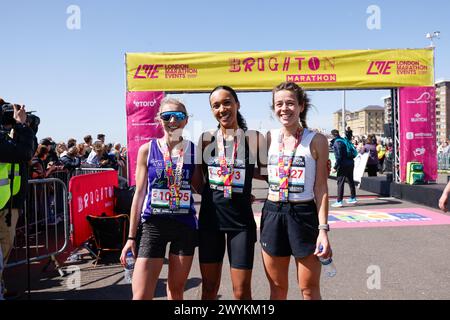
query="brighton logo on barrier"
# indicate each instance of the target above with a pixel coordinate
(89, 198)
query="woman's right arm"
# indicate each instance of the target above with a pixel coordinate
(138, 201)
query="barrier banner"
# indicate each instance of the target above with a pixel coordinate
(92, 194)
(262, 70)
(360, 163)
(418, 130)
(142, 108)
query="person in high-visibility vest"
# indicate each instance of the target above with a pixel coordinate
(17, 150)
(5, 190)
(381, 153)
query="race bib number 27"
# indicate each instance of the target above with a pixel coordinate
(296, 177)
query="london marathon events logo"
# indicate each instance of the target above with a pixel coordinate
(402, 67)
(167, 71)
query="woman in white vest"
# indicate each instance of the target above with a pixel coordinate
(294, 217)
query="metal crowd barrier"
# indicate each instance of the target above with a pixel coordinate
(42, 232)
(43, 228)
(443, 161)
(63, 175)
(80, 171)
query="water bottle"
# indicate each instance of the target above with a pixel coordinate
(129, 267)
(327, 265)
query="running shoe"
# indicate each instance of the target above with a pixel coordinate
(337, 204)
(352, 201)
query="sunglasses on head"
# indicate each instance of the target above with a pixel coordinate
(178, 115)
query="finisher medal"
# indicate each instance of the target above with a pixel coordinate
(283, 173)
(227, 170)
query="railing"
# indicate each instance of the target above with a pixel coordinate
(42, 232)
(80, 171)
(443, 161)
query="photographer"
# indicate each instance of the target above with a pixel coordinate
(17, 143)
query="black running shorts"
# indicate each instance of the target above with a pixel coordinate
(240, 247)
(156, 232)
(289, 228)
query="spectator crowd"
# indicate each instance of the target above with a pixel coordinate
(67, 156)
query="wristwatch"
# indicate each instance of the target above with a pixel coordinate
(325, 227)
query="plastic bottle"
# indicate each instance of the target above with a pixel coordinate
(327, 265)
(129, 267)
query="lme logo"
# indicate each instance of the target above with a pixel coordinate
(147, 71)
(380, 67)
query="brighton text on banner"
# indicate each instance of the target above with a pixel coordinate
(262, 70)
(92, 194)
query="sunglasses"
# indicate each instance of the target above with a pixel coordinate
(178, 115)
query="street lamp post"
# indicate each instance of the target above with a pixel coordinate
(343, 113)
(432, 36)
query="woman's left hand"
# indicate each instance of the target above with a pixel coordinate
(322, 241)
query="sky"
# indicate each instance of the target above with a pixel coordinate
(75, 79)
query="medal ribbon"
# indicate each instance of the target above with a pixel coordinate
(227, 169)
(173, 179)
(283, 172)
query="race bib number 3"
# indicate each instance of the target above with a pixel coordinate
(161, 197)
(216, 177)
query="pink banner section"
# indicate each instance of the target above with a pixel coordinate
(399, 217)
(418, 130)
(142, 108)
(92, 194)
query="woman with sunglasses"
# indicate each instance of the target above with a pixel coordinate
(294, 217)
(226, 216)
(163, 208)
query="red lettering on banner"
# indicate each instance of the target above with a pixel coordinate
(273, 67)
(299, 59)
(329, 63)
(261, 64)
(235, 65)
(381, 67)
(313, 63)
(286, 64)
(150, 70)
(248, 64)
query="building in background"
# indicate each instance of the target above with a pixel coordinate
(368, 120)
(442, 111)
(387, 109)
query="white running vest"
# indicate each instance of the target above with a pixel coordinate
(303, 169)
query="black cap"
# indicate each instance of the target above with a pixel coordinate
(46, 142)
(335, 132)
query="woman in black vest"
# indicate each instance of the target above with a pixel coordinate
(226, 216)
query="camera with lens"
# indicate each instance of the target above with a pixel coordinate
(7, 116)
(7, 113)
